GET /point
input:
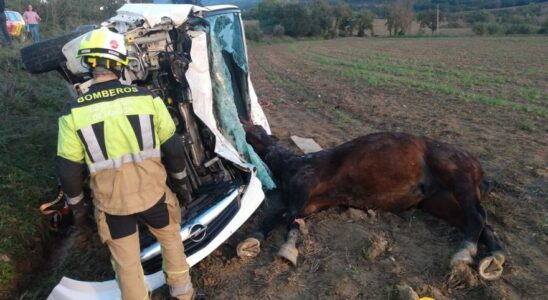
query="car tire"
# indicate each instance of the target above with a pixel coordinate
(46, 56)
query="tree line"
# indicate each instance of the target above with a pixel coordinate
(320, 18)
(315, 18)
(469, 5)
(323, 18)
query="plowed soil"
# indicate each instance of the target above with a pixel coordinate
(350, 254)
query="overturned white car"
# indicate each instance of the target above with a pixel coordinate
(195, 59)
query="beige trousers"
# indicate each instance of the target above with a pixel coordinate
(125, 256)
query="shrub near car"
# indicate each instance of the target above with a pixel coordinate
(15, 24)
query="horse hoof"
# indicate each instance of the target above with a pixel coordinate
(500, 256)
(249, 248)
(490, 268)
(303, 229)
(462, 276)
(290, 253)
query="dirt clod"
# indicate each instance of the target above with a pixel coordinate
(462, 276)
(431, 292)
(405, 292)
(356, 214)
(379, 245)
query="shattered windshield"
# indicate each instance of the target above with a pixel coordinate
(229, 74)
(225, 29)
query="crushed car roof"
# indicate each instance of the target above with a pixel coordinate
(153, 13)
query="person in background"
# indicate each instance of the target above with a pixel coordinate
(31, 18)
(6, 39)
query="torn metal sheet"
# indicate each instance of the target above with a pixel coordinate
(306, 145)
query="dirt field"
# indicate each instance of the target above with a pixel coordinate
(486, 95)
(337, 90)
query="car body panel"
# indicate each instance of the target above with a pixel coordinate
(14, 23)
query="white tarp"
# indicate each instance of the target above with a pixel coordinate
(199, 80)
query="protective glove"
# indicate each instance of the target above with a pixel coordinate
(180, 188)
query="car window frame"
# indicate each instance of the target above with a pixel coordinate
(13, 16)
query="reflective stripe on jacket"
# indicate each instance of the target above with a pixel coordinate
(117, 131)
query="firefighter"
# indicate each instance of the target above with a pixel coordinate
(119, 132)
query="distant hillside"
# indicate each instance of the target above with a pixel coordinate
(243, 4)
(420, 5)
(469, 5)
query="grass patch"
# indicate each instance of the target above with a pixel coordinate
(458, 85)
(7, 272)
(526, 126)
(383, 62)
(29, 107)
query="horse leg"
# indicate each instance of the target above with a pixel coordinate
(444, 205)
(289, 250)
(251, 247)
(490, 267)
(473, 224)
(297, 195)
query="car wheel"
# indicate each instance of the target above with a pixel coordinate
(46, 56)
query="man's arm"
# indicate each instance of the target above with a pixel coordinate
(69, 166)
(174, 157)
(70, 175)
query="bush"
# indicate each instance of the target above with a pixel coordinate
(278, 31)
(453, 24)
(297, 20)
(479, 28)
(487, 28)
(481, 16)
(544, 27)
(520, 29)
(253, 32)
(494, 28)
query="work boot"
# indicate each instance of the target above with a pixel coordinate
(188, 296)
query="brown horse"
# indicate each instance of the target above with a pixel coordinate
(385, 171)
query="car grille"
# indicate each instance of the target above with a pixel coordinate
(155, 264)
